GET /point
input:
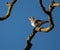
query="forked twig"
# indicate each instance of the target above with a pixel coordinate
(9, 5)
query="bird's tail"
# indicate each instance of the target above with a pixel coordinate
(43, 22)
(46, 21)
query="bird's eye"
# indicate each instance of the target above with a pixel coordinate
(30, 17)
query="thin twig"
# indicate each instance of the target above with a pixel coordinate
(9, 5)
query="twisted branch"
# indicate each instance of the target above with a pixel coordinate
(9, 5)
(41, 29)
(50, 9)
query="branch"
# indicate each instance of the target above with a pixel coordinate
(29, 45)
(31, 36)
(41, 29)
(54, 4)
(43, 8)
(51, 7)
(9, 5)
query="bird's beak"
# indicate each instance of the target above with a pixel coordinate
(28, 18)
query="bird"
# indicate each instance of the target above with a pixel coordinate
(36, 23)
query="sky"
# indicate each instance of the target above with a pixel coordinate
(15, 30)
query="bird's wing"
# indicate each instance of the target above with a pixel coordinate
(40, 22)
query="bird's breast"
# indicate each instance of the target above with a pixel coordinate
(33, 24)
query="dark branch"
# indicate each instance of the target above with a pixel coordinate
(28, 46)
(43, 8)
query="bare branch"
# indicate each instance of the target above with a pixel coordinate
(41, 29)
(9, 5)
(32, 35)
(53, 5)
(28, 46)
(56, 4)
(43, 8)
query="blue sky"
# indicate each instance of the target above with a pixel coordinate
(15, 30)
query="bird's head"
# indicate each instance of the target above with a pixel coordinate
(31, 18)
